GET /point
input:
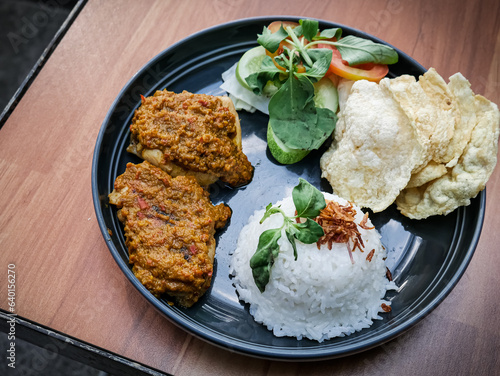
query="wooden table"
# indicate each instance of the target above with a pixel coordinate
(66, 277)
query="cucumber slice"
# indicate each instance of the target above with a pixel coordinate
(326, 95)
(282, 153)
(249, 63)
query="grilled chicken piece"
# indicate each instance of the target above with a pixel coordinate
(169, 229)
(191, 134)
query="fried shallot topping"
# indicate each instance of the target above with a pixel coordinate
(388, 274)
(370, 255)
(338, 224)
(386, 308)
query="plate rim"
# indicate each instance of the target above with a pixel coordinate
(222, 340)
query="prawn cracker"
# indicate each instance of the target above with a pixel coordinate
(464, 97)
(374, 150)
(467, 178)
(431, 109)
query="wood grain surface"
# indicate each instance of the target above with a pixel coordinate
(67, 278)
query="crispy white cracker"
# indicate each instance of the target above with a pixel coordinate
(464, 97)
(434, 125)
(467, 178)
(450, 150)
(431, 171)
(446, 110)
(375, 151)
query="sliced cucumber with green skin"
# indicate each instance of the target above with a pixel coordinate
(326, 95)
(249, 63)
(282, 153)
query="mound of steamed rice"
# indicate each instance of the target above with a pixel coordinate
(321, 295)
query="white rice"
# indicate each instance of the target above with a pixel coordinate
(321, 295)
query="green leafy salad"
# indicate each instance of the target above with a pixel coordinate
(309, 202)
(296, 65)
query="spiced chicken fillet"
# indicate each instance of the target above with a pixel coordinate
(169, 225)
(191, 134)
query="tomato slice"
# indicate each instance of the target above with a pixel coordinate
(369, 71)
(274, 27)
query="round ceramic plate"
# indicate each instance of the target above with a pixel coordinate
(426, 258)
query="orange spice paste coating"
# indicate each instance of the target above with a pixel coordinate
(169, 228)
(194, 131)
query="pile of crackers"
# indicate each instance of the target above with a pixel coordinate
(427, 145)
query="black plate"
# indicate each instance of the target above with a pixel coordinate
(427, 258)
